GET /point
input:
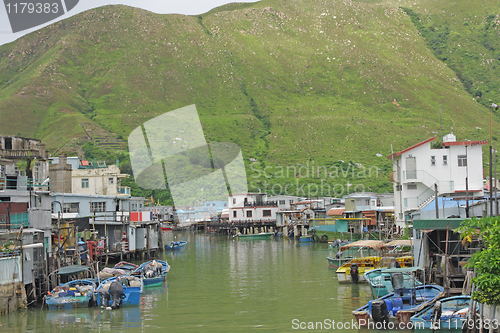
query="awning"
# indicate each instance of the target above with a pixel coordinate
(399, 242)
(224, 216)
(437, 224)
(73, 269)
(376, 245)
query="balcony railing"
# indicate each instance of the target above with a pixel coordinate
(261, 204)
(15, 221)
(21, 183)
(124, 190)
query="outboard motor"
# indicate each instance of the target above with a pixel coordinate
(339, 254)
(397, 281)
(394, 264)
(354, 273)
(105, 297)
(436, 315)
(116, 292)
(336, 243)
(380, 313)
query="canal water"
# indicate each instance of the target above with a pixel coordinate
(221, 284)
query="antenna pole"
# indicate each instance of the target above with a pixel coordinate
(440, 121)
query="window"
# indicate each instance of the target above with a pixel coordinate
(85, 183)
(111, 180)
(234, 201)
(71, 207)
(266, 212)
(445, 159)
(225, 204)
(282, 202)
(411, 186)
(433, 160)
(249, 213)
(291, 201)
(98, 207)
(462, 160)
(234, 214)
(367, 202)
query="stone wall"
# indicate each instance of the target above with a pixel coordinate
(12, 297)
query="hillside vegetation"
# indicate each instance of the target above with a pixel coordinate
(316, 91)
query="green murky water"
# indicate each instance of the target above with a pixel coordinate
(220, 284)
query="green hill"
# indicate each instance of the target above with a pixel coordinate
(294, 83)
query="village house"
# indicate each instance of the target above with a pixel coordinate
(72, 175)
(24, 206)
(251, 207)
(420, 171)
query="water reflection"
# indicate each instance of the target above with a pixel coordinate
(220, 284)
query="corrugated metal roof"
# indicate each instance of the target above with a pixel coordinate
(305, 202)
(437, 224)
(335, 211)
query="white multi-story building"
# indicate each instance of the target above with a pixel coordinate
(420, 170)
(251, 207)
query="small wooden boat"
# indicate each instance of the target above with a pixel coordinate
(337, 262)
(349, 251)
(354, 270)
(306, 239)
(381, 279)
(399, 305)
(132, 289)
(262, 235)
(447, 313)
(74, 294)
(166, 226)
(126, 266)
(153, 272)
(175, 245)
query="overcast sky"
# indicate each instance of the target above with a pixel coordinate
(188, 7)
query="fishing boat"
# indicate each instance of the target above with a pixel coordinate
(126, 266)
(166, 226)
(337, 262)
(262, 235)
(132, 290)
(74, 294)
(380, 280)
(153, 272)
(447, 313)
(175, 245)
(354, 270)
(350, 251)
(306, 239)
(399, 305)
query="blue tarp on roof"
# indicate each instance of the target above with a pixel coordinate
(449, 203)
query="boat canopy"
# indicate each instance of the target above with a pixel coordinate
(403, 270)
(73, 269)
(374, 244)
(399, 242)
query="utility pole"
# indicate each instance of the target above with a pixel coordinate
(436, 199)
